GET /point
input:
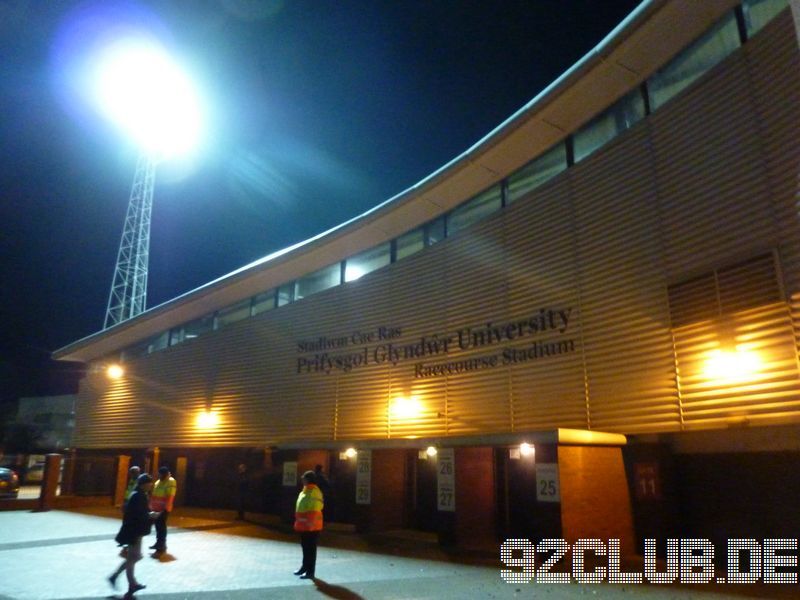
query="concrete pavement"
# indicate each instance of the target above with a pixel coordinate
(60, 555)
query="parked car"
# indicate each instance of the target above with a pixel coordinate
(35, 473)
(9, 483)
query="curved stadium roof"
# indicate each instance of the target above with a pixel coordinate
(634, 50)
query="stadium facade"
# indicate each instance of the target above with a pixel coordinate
(584, 326)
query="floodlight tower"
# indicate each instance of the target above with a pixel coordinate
(128, 295)
(141, 90)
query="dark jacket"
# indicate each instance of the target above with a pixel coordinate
(136, 519)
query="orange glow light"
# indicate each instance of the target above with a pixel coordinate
(732, 366)
(207, 419)
(406, 408)
(114, 372)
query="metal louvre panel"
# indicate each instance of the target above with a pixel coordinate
(432, 394)
(363, 402)
(772, 55)
(316, 394)
(476, 275)
(477, 401)
(772, 390)
(549, 393)
(722, 187)
(419, 293)
(629, 367)
(106, 414)
(541, 271)
(749, 284)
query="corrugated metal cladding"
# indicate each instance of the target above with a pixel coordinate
(644, 289)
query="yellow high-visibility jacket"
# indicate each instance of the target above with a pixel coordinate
(308, 510)
(163, 494)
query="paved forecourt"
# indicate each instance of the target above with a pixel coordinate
(68, 555)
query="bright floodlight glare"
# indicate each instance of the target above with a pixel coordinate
(141, 90)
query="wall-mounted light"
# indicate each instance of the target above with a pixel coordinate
(406, 408)
(732, 366)
(431, 451)
(526, 450)
(350, 453)
(114, 371)
(207, 419)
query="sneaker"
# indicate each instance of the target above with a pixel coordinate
(300, 571)
(112, 579)
(129, 594)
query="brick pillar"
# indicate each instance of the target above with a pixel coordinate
(595, 502)
(52, 472)
(388, 489)
(68, 479)
(475, 520)
(154, 457)
(121, 466)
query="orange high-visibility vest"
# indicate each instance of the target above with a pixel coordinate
(308, 510)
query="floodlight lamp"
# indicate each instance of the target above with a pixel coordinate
(140, 89)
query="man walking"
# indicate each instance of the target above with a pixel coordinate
(161, 500)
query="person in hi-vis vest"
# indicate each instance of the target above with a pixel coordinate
(161, 500)
(308, 521)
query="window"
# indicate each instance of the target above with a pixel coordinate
(158, 342)
(285, 294)
(434, 231)
(622, 115)
(359, 265)
(176, 336)
(758, 13)
(234, 313)
(474, 210)
(536, 172)
(691, 63)
(318, 281)
(198, 327)
(410, 243)
(263, 302)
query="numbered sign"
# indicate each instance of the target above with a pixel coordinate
(364, 477)
(446, 480)
(290, 474)
(547, 489)
(647, 481)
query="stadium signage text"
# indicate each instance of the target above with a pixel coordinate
(383, 345)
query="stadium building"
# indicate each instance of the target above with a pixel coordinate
(584, 326)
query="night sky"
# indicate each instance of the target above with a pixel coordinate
(321, 109)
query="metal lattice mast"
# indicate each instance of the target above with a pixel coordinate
(128, 295)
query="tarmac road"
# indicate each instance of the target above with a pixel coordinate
(68, 555)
